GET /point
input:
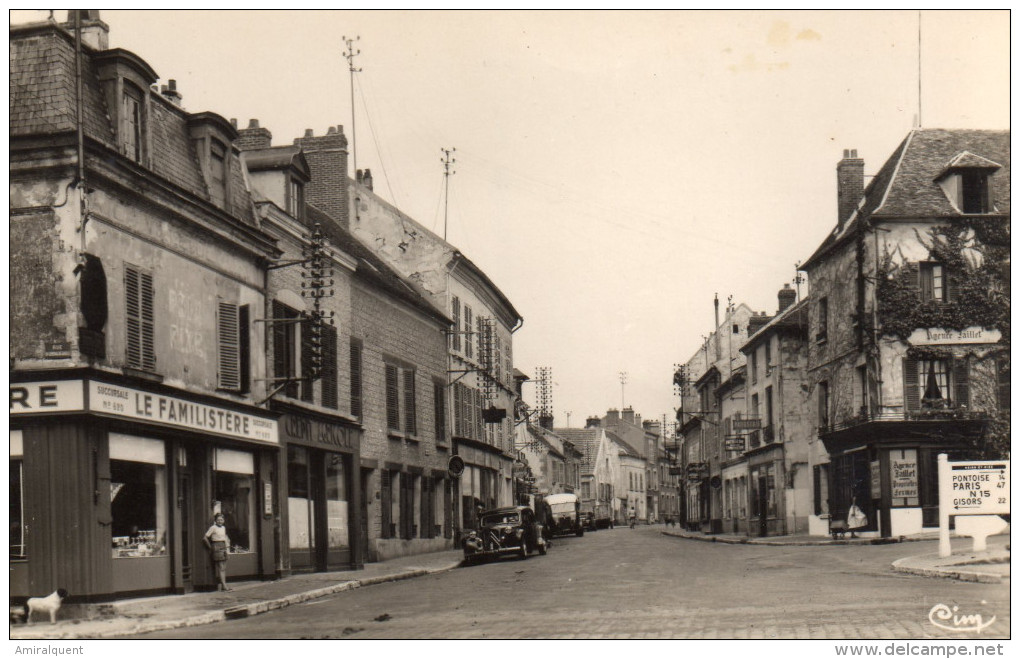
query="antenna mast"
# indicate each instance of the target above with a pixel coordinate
(623, 388)
(349, 55)
(447, 161)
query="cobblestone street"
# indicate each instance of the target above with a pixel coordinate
(625, 583)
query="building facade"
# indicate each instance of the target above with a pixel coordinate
(908, 326)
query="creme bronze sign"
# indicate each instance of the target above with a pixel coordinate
(310, 431)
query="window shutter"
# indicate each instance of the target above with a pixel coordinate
(913, 271)
(307, 366)
(406, 516)
(439, 401)
(477, 414)
(1002, 377)
(911, 391)
(410, 425)
(456, 324)
(387, 504)
(356, 379)
(280, 346)
(392, 398)
(424, 527)
(227, 342)
(469, 351)
(138, 292)
(148, 326)
(330, 394)
(961, 382)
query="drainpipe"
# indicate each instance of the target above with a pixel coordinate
(80, 128)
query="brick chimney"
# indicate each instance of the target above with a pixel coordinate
(94, 32)
(628, 414)
(253, 137)
(787, 296)
(593, 422)
(612, 416)
(849, 184)
(170, 93)
(546, 421)
(327, 158)
(756, 322)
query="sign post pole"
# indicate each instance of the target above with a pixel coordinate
(945, 496)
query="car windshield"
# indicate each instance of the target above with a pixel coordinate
(500, 518)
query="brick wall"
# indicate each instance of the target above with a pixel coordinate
(327, 158)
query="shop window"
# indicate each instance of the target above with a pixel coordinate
(356, 396)
(329, 377)
(469, 347)
(932, 278)
(233, 488)
(455, 335)
(300, 505)
(131, 122)
(138, 500)
(285, 335)
(233, 347)
(16, 502)
(337, 520)
(138, 305)
(218, 173)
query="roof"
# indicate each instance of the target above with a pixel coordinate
(624, 448)
(42, 104)
(907, 184)
(539, 434)
(586, 439)
(371, 266)
(277, 157)
(793, 318)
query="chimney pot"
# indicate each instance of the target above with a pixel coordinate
(233, 122)
(331, 131)
(253, 123)
(309, 132)
(173, 84)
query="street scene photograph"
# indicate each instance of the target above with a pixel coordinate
(675, 326)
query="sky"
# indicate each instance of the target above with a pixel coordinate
(615, 170)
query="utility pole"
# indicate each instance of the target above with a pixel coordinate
(568, 418)
(349, 55)
(797, 278)
(623, 389)
(447, 162)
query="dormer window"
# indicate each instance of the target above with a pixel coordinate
(218, 172)
(965, 183)
(131, 123)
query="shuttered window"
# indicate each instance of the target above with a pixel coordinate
(410, 411)
(469, 350)
(936, 383)
(330, 392)
(386, 509)
(455, 337)
(228, 340)
(138, 292)
(439, 411)
(425, 510)
(961, 383)
(406, 506)
(1002, 377)
(911, 392)
(392, 398)
(285, 348)
(356, 398)
(307, 360)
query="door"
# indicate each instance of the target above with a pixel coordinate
(366, 474)
(184, 503)
(317, 487)
(763, 506)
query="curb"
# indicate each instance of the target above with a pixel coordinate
(793, 543)
(944, 573)
(246, 610)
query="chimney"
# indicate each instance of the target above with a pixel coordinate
(716, 311)
(787, 296)
(546, 421)
(327, 159)
(253, 137)
(628, 414)
(612, 416)
(366, 180)
(637, 420)
(756, 322)
(170, 93)
(94, 32)
(593, 422)
(849, 184)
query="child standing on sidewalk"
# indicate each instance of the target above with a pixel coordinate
(218, 542)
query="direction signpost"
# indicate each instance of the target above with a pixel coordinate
(968, 489)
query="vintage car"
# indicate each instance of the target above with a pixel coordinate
(588, 517)
(502, 531)
(565, 509)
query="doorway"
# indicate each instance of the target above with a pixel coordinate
(366, 475)
(763, 506)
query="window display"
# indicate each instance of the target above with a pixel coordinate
(138, 497)
(336, 502)
(233, 485)
(300, 506)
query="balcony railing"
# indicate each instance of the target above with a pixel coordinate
(768, 434)
(924, 414)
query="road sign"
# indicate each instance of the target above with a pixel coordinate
(970, 488)
(746, 424)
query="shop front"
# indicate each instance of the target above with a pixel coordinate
(114, 483)
(321, 513)
(764, 492)
(483, 484)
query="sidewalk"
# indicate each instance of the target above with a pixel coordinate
(990, 566)
(247, 598)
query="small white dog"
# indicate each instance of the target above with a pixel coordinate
(49, 604)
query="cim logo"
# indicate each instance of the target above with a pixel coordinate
(946, 618)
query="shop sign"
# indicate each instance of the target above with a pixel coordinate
(47, 397)
(933, 336)
(736, 444)
(903, 471)
(305, 430)
(177, 413)
(746, 424)
(876, 480)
